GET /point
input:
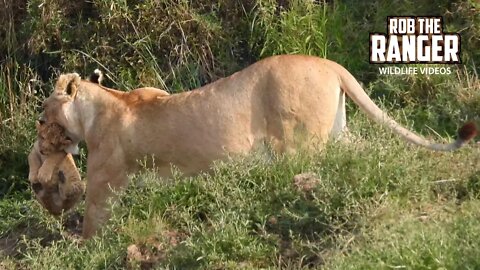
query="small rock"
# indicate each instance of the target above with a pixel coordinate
(272, 220)
(305, 182)
(133, 253)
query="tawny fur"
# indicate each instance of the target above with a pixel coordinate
(286, 101)
(52, 172)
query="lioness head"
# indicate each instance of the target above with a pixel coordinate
(60, 106)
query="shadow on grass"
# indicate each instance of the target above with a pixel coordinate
(13, 243)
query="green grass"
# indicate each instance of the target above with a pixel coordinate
(421, 236)
(379, 204)
(18, 105)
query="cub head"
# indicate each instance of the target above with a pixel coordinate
(51, 138)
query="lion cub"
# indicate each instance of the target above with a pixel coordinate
(52, 172)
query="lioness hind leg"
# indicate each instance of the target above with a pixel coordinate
(339, 128)
(281, 135)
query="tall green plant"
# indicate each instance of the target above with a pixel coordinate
(17, 110)
(300, 28)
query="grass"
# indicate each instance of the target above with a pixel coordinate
(429, 236)
(377, 203)
(18, 105)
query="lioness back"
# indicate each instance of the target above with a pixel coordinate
(264, 103)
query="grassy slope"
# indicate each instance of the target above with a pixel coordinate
(379, 203)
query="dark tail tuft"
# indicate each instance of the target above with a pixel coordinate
(467, 132)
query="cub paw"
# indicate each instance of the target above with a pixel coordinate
(45, 175)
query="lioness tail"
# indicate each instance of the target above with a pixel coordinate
(353, 89)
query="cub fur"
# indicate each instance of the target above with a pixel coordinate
(53, 175)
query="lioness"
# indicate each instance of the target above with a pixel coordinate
(53, 175)
(273, 101)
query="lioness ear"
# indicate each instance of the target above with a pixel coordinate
(68, 84)
(96, 76)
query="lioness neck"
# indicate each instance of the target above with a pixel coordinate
(93, 101)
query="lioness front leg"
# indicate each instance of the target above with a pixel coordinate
(103, 179)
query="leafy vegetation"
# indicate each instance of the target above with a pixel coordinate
(375, 203)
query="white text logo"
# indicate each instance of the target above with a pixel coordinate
(415, 40)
